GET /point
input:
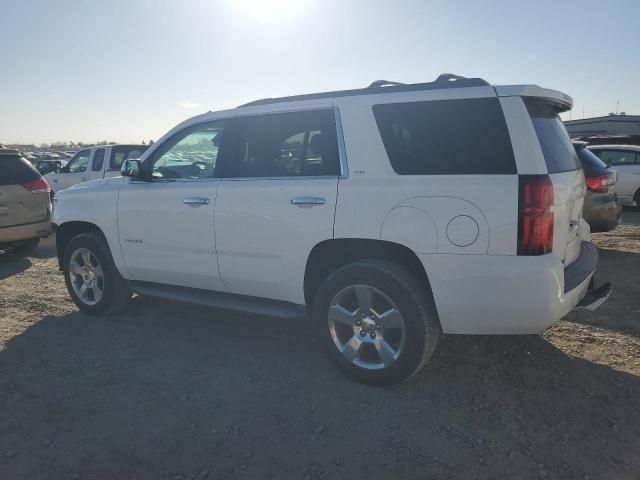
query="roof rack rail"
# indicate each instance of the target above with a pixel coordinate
(446, 80)
(384, 83)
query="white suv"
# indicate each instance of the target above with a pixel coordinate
(393, 213)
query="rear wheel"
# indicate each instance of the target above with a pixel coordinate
(93, 282)
(377, 321)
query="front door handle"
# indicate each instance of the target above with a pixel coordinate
(196, 201)
(307, 201)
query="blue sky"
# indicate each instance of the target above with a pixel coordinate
(129, 70)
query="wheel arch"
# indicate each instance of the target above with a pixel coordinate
(329, 255)
(66, 231)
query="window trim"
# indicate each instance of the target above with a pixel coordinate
(342, 156)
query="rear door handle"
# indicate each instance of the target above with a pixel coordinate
(196, 201)
(307, 201)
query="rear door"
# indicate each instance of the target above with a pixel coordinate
(567, 177)
(276, 201)
(19, 206)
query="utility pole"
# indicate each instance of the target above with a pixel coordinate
(617, 106)
(583, 112)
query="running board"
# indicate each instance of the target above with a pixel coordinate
(226, 301)
(595, 297)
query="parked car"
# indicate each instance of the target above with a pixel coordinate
(392, 214)
(93, 163)
(48, 166)
(25, 209)
(626, 160)
(602, 208)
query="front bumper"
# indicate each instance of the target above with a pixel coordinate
(25, 232)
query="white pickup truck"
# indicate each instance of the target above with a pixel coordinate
(92, 164)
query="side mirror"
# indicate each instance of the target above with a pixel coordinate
(131, 168)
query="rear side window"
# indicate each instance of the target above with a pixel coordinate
(98, 160)
(121, 153)
(446, 137)
(617, 157)
(282, 145)
(15, 170)
(559, 153)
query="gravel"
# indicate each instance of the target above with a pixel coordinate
(170, 391)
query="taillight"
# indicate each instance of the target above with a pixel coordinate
(535, 218)
(38, 186)
(600, 184)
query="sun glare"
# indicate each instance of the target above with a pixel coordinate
(270, 11)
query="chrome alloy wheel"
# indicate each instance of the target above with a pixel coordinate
(86, 275)
(366, 327)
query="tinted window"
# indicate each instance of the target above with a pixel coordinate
(98, 160)
(283, 145)
(617, 157)
(559, 153)
(15, 170)
(446, 137)
(589, 160)
(124, 152)
(192, 153)
(79, 162)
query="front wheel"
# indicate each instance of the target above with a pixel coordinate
(377, 321)
(92, 279)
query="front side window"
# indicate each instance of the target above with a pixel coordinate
(617, 157)
(290, 144)
(446, 137)
(190, 154)
(98, 160)
(79, 162)
(121, 153)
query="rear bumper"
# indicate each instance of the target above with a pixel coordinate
(494, 295)
(602, 211)
(25, 232)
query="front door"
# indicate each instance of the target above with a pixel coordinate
(76, 171)
(166, 223)
(277, 200)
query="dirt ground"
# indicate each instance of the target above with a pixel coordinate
(168, 391)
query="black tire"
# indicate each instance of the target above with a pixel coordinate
(412, 298)
(115, 292)
(26, 246)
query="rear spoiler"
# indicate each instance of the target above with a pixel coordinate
(559, 100)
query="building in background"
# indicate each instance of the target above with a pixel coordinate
(612, 124)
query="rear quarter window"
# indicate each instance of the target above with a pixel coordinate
(446, 137)
(559, 153)
(15, 170)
